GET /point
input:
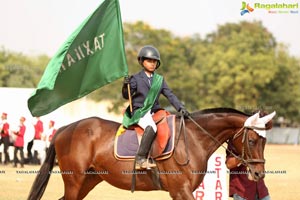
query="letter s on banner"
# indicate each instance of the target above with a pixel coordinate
(214, 180)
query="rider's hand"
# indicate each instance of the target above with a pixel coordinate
(184, 112)
(126, 80)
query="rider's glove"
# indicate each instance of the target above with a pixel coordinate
(126, 80)
(184, 112)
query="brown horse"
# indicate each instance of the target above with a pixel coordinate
(85, 154)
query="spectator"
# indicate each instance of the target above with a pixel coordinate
(47, 137)
(50, 133)
(4, 130)
(38, 144)
(29, 140)
(240, 187)
(19, 143)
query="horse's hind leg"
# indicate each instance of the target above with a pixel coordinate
(77, 186)
(72, 184)
(78, 190)
(90, 181)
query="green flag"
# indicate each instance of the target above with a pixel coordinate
(92, 56)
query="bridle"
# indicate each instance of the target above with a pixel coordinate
(245, 140)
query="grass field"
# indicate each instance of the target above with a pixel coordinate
(283, 180)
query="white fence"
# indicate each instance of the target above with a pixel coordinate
(279, 135)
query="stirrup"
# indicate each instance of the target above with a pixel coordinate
(145, 165)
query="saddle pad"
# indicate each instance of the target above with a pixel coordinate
(126, 144)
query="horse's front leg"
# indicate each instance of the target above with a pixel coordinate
(181, 190)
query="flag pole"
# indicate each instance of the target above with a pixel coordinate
(129, 97)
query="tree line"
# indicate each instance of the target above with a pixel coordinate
(240, 65)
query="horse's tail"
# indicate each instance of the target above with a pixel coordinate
(42, 178)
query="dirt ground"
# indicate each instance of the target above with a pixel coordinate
(283, 180)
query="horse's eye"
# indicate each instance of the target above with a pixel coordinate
(251, 142)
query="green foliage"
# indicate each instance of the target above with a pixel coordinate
(240, 65)
(282, 93)
(17, 70)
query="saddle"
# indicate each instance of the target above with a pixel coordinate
(126, 140)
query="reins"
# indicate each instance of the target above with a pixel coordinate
(244, 130)
(217, 141)
(182, 128)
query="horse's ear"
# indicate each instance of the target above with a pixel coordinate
(267, 118)
(255, 121)
(251, 121)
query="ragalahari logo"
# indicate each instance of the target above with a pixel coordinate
(246, 8)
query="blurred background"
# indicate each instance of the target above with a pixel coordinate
(214, 54)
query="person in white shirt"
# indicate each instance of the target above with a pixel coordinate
(48, 135)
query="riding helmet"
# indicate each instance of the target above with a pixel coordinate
(151, 52)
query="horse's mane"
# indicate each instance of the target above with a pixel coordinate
(217, 110)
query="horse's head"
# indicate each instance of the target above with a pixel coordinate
(250, 142)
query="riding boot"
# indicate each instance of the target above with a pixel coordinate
(144, 148)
